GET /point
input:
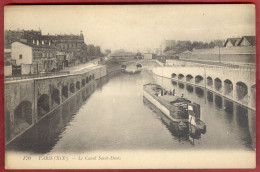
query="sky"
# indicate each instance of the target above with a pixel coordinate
(135, 27)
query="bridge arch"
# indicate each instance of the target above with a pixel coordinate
(209, 81)
(72, 88)
(64, 91)
(22, 116)
(241, 90)
(43, 105)
(217, 84)
(189, 78)
(228, 87)
(180, 77)
(174, 75)
(83, 82)
(78, 85)
(55, 96)
(198, 79)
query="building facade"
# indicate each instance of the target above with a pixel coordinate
(40, 58)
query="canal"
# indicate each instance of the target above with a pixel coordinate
(111, 114)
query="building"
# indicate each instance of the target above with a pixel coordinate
(149, 56)
(247, 41)
(39, 58)
(243, 41)
(11, 36)
(231, 42)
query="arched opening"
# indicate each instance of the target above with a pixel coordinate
(64, 91)
(189, 88)
(173, 75)
(189, 78)
(72, 88)
(78, 85)
(198, 79)
(43, 106)
(89, 78)
(210, 96)
(241, 89)
(217, 84)
(86, 79)
(55, 96)
(174, 83)
(93, 76)
(180, 76)
(181, 85)
(199, 91)
(228, 87)
(22, 116)
(209, 81)
(83, 82)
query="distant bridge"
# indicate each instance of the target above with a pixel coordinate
(236, 84)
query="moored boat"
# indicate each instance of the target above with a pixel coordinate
(176, 108)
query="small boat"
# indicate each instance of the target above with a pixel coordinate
(178, 109)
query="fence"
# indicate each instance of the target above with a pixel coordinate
(35, 76)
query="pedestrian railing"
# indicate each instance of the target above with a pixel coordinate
(35, 76)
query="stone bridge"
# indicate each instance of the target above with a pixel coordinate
(236, 84)
(28, 101)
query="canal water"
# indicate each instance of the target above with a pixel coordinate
(111, 114)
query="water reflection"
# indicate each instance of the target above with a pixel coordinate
(210, 96)
(199, 92)
(218, 101)
(181, 85)
(189, 88)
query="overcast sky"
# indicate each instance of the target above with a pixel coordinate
(136, 27)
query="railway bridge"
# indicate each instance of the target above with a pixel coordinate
(236, 84)
(27, 101)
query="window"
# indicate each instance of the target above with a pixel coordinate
(20, 56)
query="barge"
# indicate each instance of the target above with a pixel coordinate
(178, 109)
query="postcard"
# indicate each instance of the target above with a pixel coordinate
(130, 86)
